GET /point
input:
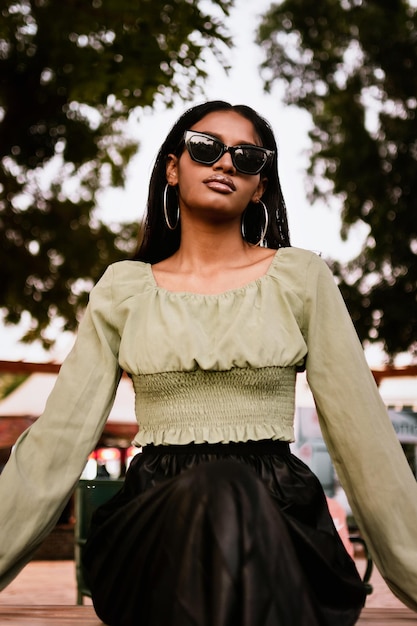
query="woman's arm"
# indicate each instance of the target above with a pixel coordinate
(369, 460)
(49, 457)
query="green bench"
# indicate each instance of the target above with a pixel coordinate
(89, 495)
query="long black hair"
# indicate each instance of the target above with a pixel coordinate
(158, 242)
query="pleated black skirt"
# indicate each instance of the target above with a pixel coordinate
(220, 535)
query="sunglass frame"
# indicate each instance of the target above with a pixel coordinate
(189, 134)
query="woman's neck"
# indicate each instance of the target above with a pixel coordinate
(209, 245)
(212, 266)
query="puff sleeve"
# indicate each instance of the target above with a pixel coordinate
(49, 457)
(369, 460)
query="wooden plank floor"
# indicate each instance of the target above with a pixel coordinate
(44, 594)
(48, 616)
(84, 615)
(388, 617)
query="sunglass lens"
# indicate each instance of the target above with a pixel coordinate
(204, 149)
(249, 160)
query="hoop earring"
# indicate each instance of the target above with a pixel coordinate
(165, 204)
(264, 228)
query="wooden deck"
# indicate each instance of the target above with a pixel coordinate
(48, 616)
(388, 617)
(12, 615)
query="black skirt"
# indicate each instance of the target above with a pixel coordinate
(232, 534)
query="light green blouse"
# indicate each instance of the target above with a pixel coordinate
(217, 368)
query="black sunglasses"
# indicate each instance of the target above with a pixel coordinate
(205, 149)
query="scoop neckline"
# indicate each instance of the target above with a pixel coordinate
(196, 294)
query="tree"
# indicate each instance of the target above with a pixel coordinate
(72, 72)
(353, 65)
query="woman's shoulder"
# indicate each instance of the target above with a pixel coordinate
(303, 255)
(300, 271)
(125, 278)
(130, 268)
(299, 261)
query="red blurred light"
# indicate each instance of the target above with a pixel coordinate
(108, 454)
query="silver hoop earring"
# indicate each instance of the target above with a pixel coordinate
(165, 203)
(260, 241)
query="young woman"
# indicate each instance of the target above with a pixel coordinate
(217, 523)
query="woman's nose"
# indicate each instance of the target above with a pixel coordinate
(225, 163)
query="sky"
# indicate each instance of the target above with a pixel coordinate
(313, 227)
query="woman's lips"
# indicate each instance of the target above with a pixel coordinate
(224, 184)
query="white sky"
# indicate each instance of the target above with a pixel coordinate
(315, 228)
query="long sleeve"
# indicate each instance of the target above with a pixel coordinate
(368, 458)
(49, 457)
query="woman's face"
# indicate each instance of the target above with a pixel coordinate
(217, 191)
